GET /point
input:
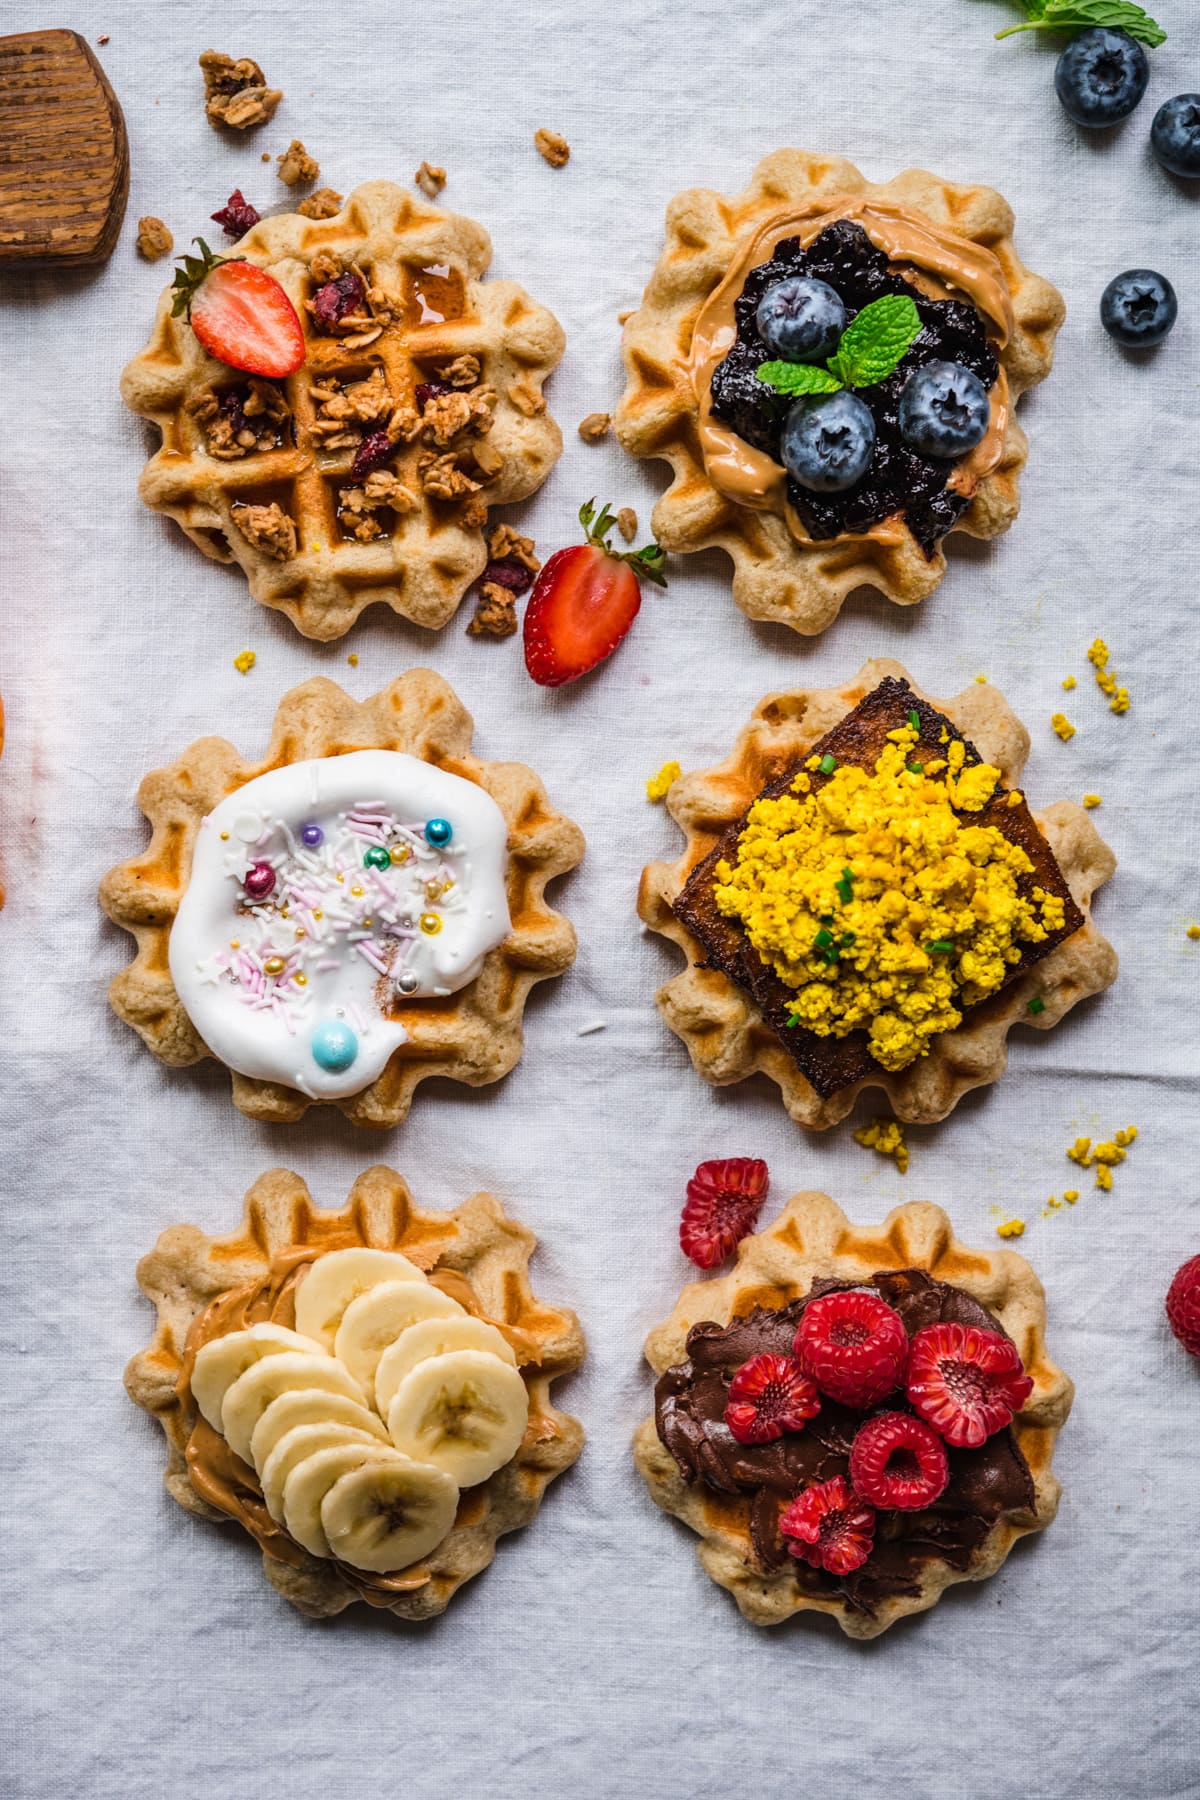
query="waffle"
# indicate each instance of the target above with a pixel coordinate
(474, 1035)
(812, 1238)
(431, 263)
(729, 1032)
(804, 584)
(187, 1270)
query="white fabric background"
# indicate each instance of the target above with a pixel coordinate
(142, 1653)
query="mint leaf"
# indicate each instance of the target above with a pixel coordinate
(797, 378)
(875, 341)
(1084, 15)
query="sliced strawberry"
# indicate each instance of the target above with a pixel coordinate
(966, 1382)
(584, 601)
(239, 313)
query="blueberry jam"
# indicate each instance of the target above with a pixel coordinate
(897, 479)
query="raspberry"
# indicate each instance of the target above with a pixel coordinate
(374, 450)
(830, 1527)
(723, 1203)
(506, 572)
(897, 1461)
(853, 1345)
(965, 1382)
(1183, 1306)
(334, 299)
(768, 1396)
(430, 390)
(236, 216)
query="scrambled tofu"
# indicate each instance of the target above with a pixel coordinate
(878, 899)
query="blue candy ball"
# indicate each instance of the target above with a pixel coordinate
(334, 1046)
(438, 832)
(312, 835)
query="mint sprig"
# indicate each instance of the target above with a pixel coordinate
(873, 344)
(1072, 16)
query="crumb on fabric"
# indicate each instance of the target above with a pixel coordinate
(1011, 1228)
(321, 205)
(886, 1136)
(236, 92)
(495, 612)
(352, 659)
(153, 239)
(431, 179)
(552, 147)
(1062, 727)
(627, 523)
(1193, 932)
(296, 165)
(244, 661)
(594, 427)
(1091, 801)
(1069, 682)
(659, 785)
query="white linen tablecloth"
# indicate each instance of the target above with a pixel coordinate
(142, 1654)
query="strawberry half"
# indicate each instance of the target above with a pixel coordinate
(239, 313)
(584, 601)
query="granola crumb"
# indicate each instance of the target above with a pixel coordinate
(627, 523)
(296, 165)
(244, 661)
(236, 92)
(103, 38)
(266, 156)
(1091, 801)
(430, 179)
(495, 612)
(507, 545)
(153, 239)
(266, 528)
(463, 372)
(321, 205)
(443, 478)
(474, 514)
(594, 427)
(552, 147)
(526, 397)
(359, 506)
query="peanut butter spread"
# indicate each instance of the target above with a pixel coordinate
(939, 263)
(226, 1482)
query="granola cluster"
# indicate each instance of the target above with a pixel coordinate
(296, 165)
(431, 179)
(343, 408)
(511, 567)
(266, 527)
(153, 239)
(364, 309)
(321, 205)
(236, 92)
(360, 507)
(236, 421)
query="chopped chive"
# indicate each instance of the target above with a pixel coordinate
(845, 887)
(828, 763)
(914, 719)
(939, 945)
(847, 938)
(1036, 1005)
(915, 768)
(793, 1020)
(827, 918)
(823, 938)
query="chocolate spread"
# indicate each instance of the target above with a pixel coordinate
(985, 1484)
(900, 481)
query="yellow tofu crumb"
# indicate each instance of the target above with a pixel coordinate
(658, 785)
(1062, 726)
(1011, 1228)
(1120, 701)
(1106, 681)
(1193, 932)
(352, 659)
(1069, 682)
(1090, 800)
(1015, 797)
(244, 661)
(1070, 1195)
(1081, 1152)
(887, 1137)
(1104, 1178)
(982, 678)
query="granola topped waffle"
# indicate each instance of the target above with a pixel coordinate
(413, 405)
(365, 1392)
(866, 900)
(830, 366)
(360, 910)
(856, 1418)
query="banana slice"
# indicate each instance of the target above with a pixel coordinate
(309, 1406)
(434, 1337)
(333, 1281)
(251, 1394)
(219, 1363)
(311, 1480)
(388, 1513)
(376, 1319)
(465, 1413)
(294, 1446)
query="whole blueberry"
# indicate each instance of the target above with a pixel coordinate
(1175, 135)
(1138, 308)
(800, 320)
(944, 410)
(827, 441)
(1101, 76)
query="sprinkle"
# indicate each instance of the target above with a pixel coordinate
(1069, 682)
(1036, 1005)
(430, 924)
(1062, 726)
(1091, 800)
(596, 1025)
(887, 1137)
(352, 659)
(244, 661)
(939, 947)
(1193, 932)
(1011, 1228)
(827, 764)
(915, 768)
(658, 785)
(300, 978)
(274, 965)
(224, 837)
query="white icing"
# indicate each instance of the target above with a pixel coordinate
(353, 953)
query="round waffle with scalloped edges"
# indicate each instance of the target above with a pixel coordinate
(477, 1241)
(813, 1238)
(805, 584)
(313, 541)
(720, 1023)
(473, 1036)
